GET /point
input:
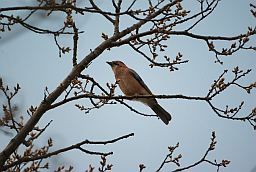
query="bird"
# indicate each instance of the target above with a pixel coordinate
(131, 84)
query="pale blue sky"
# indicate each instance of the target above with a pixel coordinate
(32, 61)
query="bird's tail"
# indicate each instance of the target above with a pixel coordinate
(161, 113)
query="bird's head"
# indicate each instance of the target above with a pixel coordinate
(115, 65)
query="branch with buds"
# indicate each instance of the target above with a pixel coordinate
(170, 158)
(85, 88)
(146, 33)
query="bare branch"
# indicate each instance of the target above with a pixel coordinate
(101, 12)
(118, 9)
(75, 40)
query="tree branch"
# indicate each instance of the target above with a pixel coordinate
(66, 149)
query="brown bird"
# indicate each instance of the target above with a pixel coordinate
(131, 84)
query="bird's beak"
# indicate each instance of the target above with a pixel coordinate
(110, 63)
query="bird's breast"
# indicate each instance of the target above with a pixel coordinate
(130, 86)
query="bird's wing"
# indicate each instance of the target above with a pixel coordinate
(138, 78)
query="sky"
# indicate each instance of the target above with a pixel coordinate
(32, 60)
